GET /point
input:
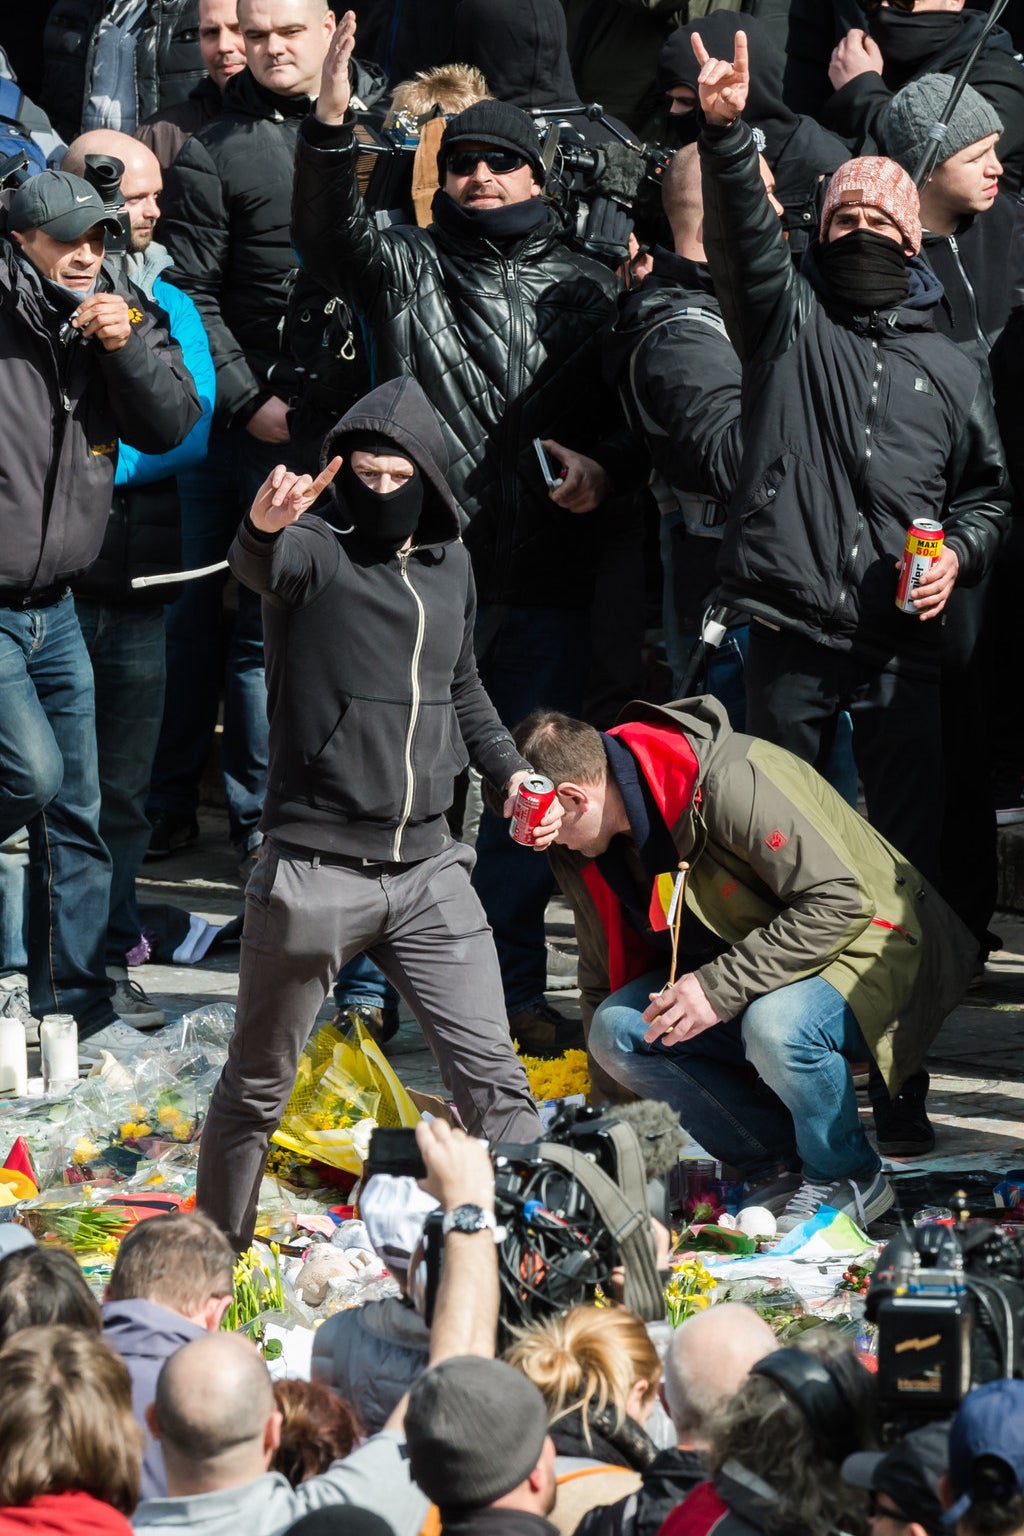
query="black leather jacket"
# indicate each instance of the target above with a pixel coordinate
(506, 344)
(853, 426)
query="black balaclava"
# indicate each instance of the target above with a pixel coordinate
(909, 41)
(865, 270)
(385, 519)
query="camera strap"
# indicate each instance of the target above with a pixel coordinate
(622, 1206)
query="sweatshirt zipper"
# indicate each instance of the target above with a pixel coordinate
(869, 427)
(414, 712)
(971, 295)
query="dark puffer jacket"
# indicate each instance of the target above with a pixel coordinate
(853, 425)
(167, 59)
(65, 404)
(225, 223)
(505, 341)
(373, 695)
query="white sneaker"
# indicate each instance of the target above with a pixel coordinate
(130, 1003)
(14, 1004)
(118, 1038)
(562, 970)
(864, 1201)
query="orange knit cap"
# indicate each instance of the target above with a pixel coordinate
(874, 182)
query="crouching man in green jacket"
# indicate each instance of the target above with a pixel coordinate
(802, 940)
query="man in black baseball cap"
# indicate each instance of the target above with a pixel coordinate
(904, 1482)
(60, 223)
(88, 363)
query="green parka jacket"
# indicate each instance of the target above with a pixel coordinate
(794, 880)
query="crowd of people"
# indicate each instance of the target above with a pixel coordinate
(145, 1416)
(367, 389)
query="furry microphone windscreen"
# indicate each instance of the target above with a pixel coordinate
(658, 1131)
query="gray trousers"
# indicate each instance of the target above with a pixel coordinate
(423, 925)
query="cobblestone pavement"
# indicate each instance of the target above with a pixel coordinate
(977, 1060)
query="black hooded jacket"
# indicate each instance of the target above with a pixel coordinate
(971, 265)
(802, 154)
(856, 110)
(372, 689)
(503, 336)
(853, 425)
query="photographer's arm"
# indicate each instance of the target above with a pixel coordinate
(465, 1322)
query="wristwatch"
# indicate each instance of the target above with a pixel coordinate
(471, 1218)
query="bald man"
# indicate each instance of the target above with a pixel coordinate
(709, 1358)
(124, 629)
(215, 1414)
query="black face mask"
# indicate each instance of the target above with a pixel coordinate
(683, 127)
(388, 519)
(865, 271)
(907, 41)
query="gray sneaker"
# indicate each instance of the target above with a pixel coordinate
(14, 1004)
(131, 1004)
(774, 1194)
(863, 1200)
(562, 970)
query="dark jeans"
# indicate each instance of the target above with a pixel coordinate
(528, 657)
(768, 1087)
(796, 691)
(214, 498)
(49, 782)
(126, 646)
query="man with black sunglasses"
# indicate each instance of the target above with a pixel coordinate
(499, 319)
(910, 38)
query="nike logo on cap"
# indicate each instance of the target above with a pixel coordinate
(83, 199)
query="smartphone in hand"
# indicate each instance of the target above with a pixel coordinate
(552, 477)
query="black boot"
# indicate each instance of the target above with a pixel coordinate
(902, 1127)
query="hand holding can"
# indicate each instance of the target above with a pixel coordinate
(534, 796)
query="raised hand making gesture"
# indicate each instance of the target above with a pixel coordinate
(284, 496)
(335, 87)
(722, 87)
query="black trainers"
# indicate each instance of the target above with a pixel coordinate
(902, 1127)
(540, 1030)
(171, 833)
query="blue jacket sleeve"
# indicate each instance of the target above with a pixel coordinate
(135, 468)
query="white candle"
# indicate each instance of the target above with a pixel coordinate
(13, 1058)
(58, 1042)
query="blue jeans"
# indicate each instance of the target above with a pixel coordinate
(49, 782)
(126, 646)
(14, 903)
(360, 983)
(768, 1087)
(214, 498)
(527, 657)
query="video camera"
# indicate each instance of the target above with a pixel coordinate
(949, 1306)
(570, 1210)
(600, 191)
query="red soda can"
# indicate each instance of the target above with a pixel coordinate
(922, 549)
(532, 799)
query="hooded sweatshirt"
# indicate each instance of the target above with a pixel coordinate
(801, 153)
(372, 689)
(145, 1335)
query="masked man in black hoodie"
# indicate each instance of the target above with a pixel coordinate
(801, 153)
(857, 419)
(375, 705)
